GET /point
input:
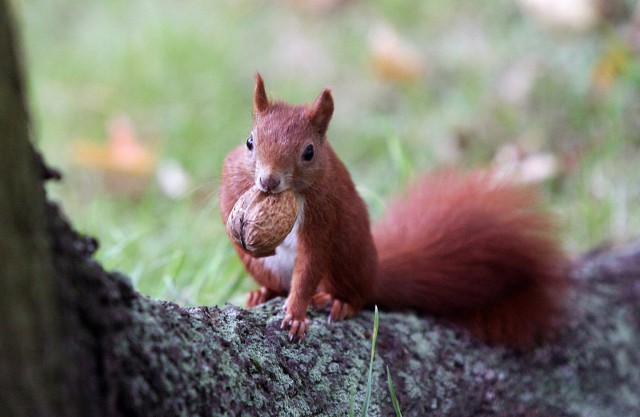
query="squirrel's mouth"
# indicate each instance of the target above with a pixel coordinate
(275, 190)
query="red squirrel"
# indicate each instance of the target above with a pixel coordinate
(466, 246)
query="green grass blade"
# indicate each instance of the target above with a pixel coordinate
(352, 396)
(365, 407)
(392, 391)
(399, 157)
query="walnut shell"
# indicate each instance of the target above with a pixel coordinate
(259, 221)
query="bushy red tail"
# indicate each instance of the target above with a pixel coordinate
(477, 250)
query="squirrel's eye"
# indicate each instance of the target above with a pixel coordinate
(307, 155)
(250, 142)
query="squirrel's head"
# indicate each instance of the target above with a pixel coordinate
(287, 143)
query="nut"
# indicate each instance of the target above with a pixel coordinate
(259, 221)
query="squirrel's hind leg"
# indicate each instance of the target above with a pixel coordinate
(338, 309)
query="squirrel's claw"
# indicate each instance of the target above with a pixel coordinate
(297, 327)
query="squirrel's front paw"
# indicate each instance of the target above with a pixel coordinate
(297, 325)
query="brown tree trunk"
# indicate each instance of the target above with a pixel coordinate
(46, 366)
(30, 320)
(77, 340)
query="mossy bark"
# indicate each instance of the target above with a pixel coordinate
(160, 359)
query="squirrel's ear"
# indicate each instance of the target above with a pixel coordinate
(260, 101)
(319, 114)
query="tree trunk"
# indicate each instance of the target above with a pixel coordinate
(76, 340)
(30, 329)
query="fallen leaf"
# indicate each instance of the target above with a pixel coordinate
(577, 15)
(172, 179)
(123, 161)
(613, 63)
(394, 58)
(122, 153)
(515, 163)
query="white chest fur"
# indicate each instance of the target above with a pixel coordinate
(281, 264)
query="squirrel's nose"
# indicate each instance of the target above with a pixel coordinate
(269, 182)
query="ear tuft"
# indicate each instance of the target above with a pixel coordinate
(260, 101)
(320, 112)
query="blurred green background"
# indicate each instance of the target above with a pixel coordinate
(547, 95)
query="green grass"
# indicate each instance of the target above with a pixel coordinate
(392, 392)
(183, 73)
(369, 387)
(374, 338)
